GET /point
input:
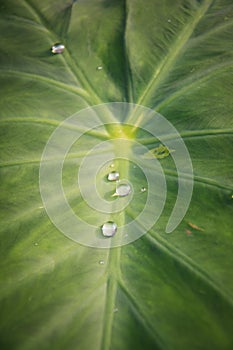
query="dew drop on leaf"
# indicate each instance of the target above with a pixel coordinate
(109, 229)
(101, 262)
(99, 68)
(123, 190)
(143, 189)
(113, 176)
(57, 48)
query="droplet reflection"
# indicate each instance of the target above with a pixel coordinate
(57, 48)
(109, 229)
(113, 176)
(143, 189)
(123, 190)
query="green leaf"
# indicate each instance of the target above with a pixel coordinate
(163, 291)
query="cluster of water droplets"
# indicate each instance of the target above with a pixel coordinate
(59, 48)
(123, 189)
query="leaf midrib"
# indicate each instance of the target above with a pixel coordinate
(114, 266)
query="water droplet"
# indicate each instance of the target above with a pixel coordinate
(109, 229)
(115, 310)
(57, 48)
(36, 244)
(123, 190)
(113, 176)
(112, 165)
(101, 262)
(99, 68)
(169, 20)
(143, 189)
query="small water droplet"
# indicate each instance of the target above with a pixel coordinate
(99, 68)
(113, 176)
(36, 244)
(143, 189)
(101, 262)
(123, 190)
(112, 165)
(57, 48)
(109, 229)
(169, 20)
(115, 310)
(134, 167)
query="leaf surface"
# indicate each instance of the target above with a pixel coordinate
(163, 291)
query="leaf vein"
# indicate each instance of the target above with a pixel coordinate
(175, 50)
(188, 264)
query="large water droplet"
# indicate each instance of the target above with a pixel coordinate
(122, 190)
(109, 229)
(57, 48)
(113, 176)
